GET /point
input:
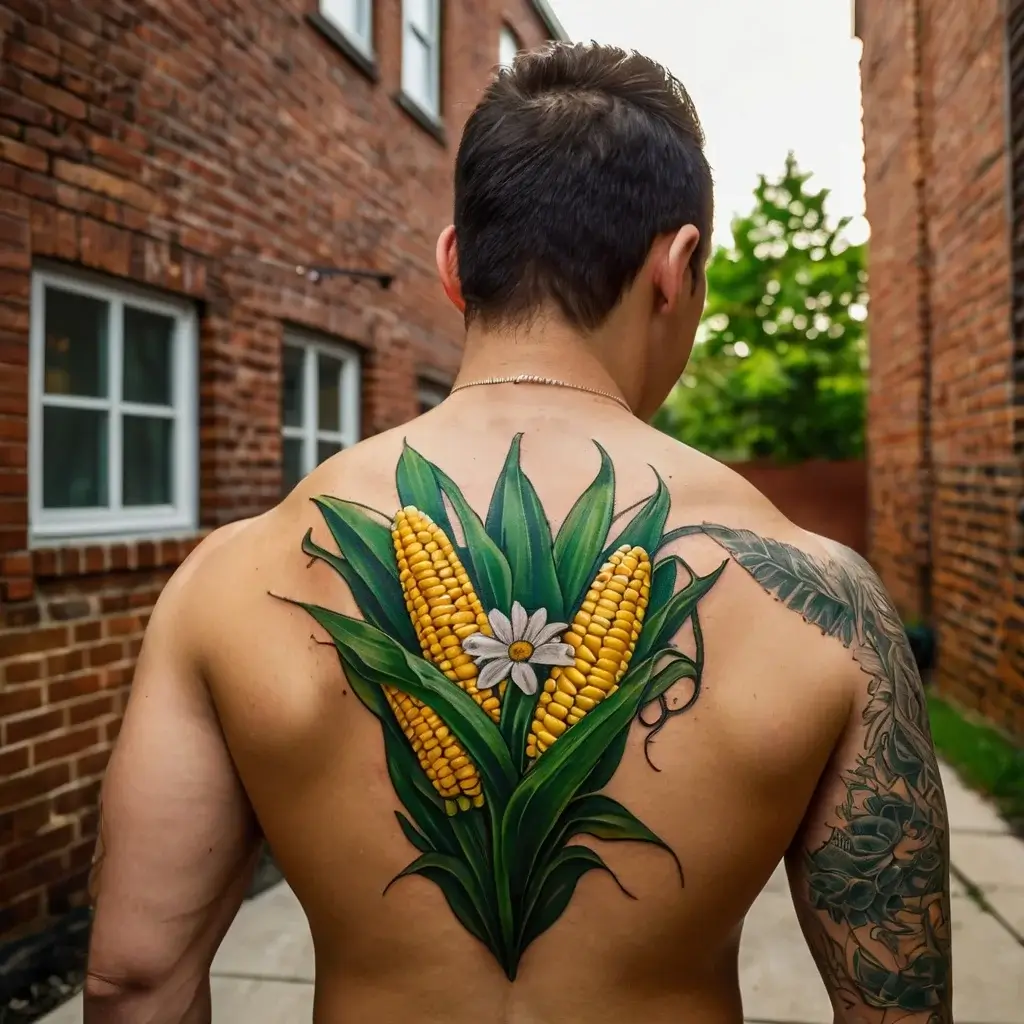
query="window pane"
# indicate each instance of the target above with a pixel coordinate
(352, 16)
(420, 14)
(146, 443)
(74, 458)
(508, 47)
(329, 385)
(325, 449)
(76, 328)
(417, 75)
(148, 341)
(291, 463)
(292, 364)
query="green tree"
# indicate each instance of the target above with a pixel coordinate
(778, 370)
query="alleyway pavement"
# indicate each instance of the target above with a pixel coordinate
(263, 973)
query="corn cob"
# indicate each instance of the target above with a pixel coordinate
(603, 636)
(441, 601)
(444, 610)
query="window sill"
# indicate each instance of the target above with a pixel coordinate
(366, 63)
(108, 555)
(427, 121)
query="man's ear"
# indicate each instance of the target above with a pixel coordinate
(447, 257)
(674, 268)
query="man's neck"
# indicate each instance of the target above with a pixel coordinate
(543, 350)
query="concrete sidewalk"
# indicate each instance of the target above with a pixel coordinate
(263, 973)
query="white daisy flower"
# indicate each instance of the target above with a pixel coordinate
(517, 645)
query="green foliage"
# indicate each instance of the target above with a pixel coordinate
(986, 759)
(509, 869)
(779, 367)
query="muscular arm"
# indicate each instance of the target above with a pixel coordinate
(177, 836)
(869, 870)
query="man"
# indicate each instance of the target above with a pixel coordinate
(528, 740)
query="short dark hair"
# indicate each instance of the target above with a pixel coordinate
(575, 160)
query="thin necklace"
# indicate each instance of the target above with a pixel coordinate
(532, 378)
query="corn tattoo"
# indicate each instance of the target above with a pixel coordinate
(603, 636)
(444, 609)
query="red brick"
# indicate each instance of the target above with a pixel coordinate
(65, 745)
(87, 710)
(105, 654)
(96, 762)
(60, 100)
(23, 789)
(43, 64)
(95, 180)
(88, 631)
(65, 662)
(43, 844)
(32, 641)
(81, 684)
(20, 699)
(23, 909)
(943, 450)
(16, 730)
(25, 820)
(23, 671)
(17, 589)
(25, 110)
(22, 155)
(117, 162)
(13, 760)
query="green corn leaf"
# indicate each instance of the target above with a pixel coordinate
(556, 888)
(604, 818)
(681, 666)
(416, 793)
(417, 486)
(484, 560)
(461, 891)
(663, 583)
(367, 547)
(389, 616)
(661, 626)
(583, 534)
(378, 659)
(607, 765)
(672, 536)
(411, 785)
(554, 780)
(644, 530)
(516, 522)
(517, 711)
(366, 543)
(410, 832)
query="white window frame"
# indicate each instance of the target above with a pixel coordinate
(65, 524)
(349, 389)
(360, 34)
(429, 36)
(508, 46)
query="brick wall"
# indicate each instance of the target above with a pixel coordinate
(944, 473)
(203, 151)
(827, 498)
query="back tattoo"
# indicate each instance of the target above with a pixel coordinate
(507, 666)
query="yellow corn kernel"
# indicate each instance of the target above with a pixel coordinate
(603, 636)
(442, 603)
(452, 773)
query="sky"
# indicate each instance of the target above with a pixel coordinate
(766, 76)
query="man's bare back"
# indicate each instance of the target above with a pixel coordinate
(529, 701)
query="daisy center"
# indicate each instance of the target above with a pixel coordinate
(521, 650)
